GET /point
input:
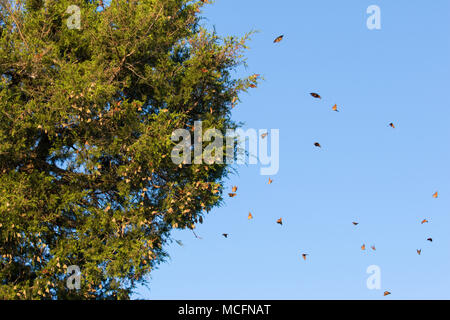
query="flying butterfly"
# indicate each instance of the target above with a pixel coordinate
(250, 216)
(280, 221)
(232, 195)
(392, 125)
(436, 195)
(335, 108)
(363, 247)
(234, 189)
(264, 135)
(278, 39)
(315, 95)
(419, 251)
(430, 239)
(386, 293)
(355, 223)
(373, 248)
(316, 144)
(225, 235)
(424, 221)
(304, 255)
(270, 181)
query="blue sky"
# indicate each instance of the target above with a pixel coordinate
(366, 171)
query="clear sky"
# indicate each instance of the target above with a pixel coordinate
(367, 172)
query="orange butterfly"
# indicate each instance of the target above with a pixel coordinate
(355, 223)
(373, 248)
(278, 39)
(232, 195)
(280, 221)
(392, 125)
(304, 255)
(234, 189)
(270, 181)
(335, 108)
(386, 293)
(316, 144)
(424, 221)
(436, 195)
(419, 251)
(363, 247)
(264, 135)
(250, 216)
(315, 95)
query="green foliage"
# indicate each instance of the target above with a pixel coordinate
(86, 118)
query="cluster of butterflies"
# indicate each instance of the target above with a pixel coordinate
(315, 95)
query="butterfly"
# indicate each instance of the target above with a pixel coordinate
(386, 293)
(270, 181)
(392, 125)
(430, 239)
(373, 248)
(419, 251)
(280, 221)
(316, 144)
(304, 255)
(335, 108)
(232, 195)
(355, 223)
(436, 195)
(315, 95)
(424, 221)
(225, 235)
(250, 216)
(264, 135)
(234, 189)
(363, 247)
(278, 39)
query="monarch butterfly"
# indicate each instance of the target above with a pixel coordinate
(335, 108)
(392, 125)
(264, 135)
(316, 144)
(280, 221)
(225, 235)
(234, 189)
(363, 247)
(386, 293)
(270, 181)
(373, 248)
(304, 255)
(355, 223)
(315, 95)
(430, 239)
(250, 216)
(419, 251)
(232, 195)
(278, 39)
(436, 195)
(424, 221)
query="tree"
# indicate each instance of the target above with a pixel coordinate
(87, 114)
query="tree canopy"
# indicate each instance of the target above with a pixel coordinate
(86, 118)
